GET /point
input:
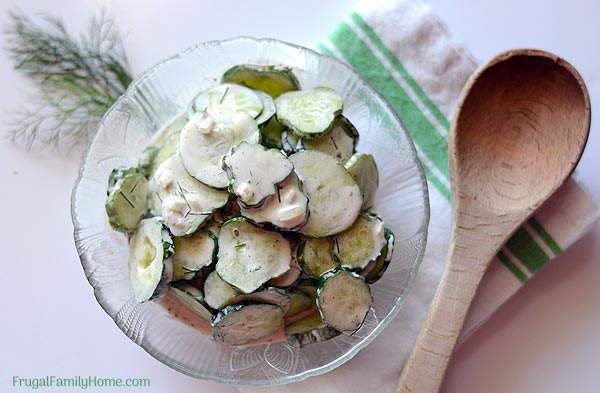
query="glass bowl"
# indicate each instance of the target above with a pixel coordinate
(155, 98)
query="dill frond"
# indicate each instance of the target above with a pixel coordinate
(75, 79)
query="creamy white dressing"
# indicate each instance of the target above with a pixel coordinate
(287, 209)
(255, 171)
(185, 202)
(207, 138)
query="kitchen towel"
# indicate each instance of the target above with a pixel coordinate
(406, 53)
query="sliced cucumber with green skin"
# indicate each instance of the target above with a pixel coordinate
(127, 201)
(299, 301)
(309, 113)
(189, 289)
(275, 296)
(146, 164)
(206, 139)
(268, 107)
(340, 142)
(150, 265)
(287, 209)
(361, 243)
(375, 269)
(363, 169)
(290, 143)
(166, 150)
(228, 98)
(309, 286)
(214, 226)
(118, 174)
(250, 256)
(344, 300)
(192, 253)
(316, 256)
(240, 324)
(154, 201)
(334, 197)
(185, 203)
(270, 132)
(191, 302)
(254, 172)
(166, 144)
(290, 277)
(218, 293)
(272, 80)
(309, 330)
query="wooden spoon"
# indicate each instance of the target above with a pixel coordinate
(520, 128)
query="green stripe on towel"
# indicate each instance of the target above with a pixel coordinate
(511, 267)
(427, 139)
(421, 130)
(401, 70)
(522, 245)
(545, 236)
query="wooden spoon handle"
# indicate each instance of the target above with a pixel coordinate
(425, 368)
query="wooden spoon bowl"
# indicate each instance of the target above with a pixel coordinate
(520, 120)
(519, 130)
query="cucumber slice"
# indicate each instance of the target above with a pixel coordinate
(361, 243)
(271, 133)
(275, 296)
(166, 150)
(150, 267)
(290, 143)
(344, 299)
(254, 172)
(363, 169)
(375, 269)
(167, 143)
(214, 225)
(191, 300)
(334, 197)
(316, 257)
(268, 107)
(190, 290)
(250, 256)
(228, 98)
(290, 277)
(340, 142)
(185, 203)
(309, 286)
(146, 163)
(217, 293)
(269, 79)
(309, 330)
(127, 201)
(309, 113)
(240, 324)
(287, 209)
(192, 253)
(205, 140)
(118, 174)
(298, 302)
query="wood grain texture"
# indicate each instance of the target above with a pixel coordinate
(519, 129)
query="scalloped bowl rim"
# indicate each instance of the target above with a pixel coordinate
(401, 296)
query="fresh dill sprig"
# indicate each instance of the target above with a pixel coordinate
(75, 79)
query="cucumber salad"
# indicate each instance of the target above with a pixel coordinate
(254, 212)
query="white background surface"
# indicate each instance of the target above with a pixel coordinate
(544, 340)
